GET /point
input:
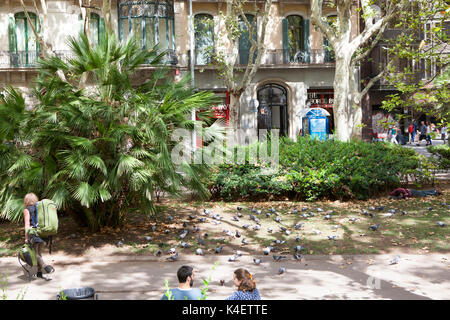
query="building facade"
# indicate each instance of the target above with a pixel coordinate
(296, 72)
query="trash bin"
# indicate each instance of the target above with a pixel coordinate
(83, 293)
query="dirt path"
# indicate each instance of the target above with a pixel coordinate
(424, 276)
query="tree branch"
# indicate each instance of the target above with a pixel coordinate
(317, 20)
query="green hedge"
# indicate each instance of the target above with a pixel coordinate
(443, 153)
(310, 170)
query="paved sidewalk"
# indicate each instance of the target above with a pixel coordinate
(425, 276)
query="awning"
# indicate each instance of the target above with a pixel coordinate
(313, 112)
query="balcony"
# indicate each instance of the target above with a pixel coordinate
(20, 59)
(276, 58)
(24, 59)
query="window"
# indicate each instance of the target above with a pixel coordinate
(244, 39)
(96, 27)
(295, 39)
(204, 38)
(23, 45)
(150, 22)
(329, 55)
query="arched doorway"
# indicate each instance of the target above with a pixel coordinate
(272, 109)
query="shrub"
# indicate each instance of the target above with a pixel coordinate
(442, 152)
(311, 169)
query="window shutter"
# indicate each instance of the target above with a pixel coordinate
(101, 29)
(12, 34)
(285, 41)
(306, 40)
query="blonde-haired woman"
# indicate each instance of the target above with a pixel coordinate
(246, 285)
(29, 215)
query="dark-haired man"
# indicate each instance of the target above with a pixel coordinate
(185, 275)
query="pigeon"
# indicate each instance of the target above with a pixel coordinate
(297, 256)
(239, 253)
(170, 218)
(283, 229)
(200, 241)
(327, 217)
(319, 210)
(372, 215)
(441, 224)
(395, 260)
(257, 227)
(235, 218)
(158, 253)
(244, 241)
(298, 226)
(311, 214)
(217, 217)
(268, 214)
(372, 208)
(239, 208)
(185, 245)
(295, 211)
(233, 258)
(196, 229)
(191, 217)
(257, 261)
(297, 238)
(335, 227)
(257, 221)
(173, 258)
(219, 249)
(388, 215)
(258, 211)
(269, 230)
(444, 204)
(229, 233)
(332, 237)
(172, 251)
(267, 250)
(252, 217)
(253, 210)
(239, 215)
(392, 211)
(246, 226)
(167, 231)
(281, 270)
(272, 210)
(298, 248)
(404, 213)
(279, 241)
(278, 258)
(374, 227)
(287, 232)
(184, 225)
(353, 219)
(206, 212)
(380, 208)
(120, 243)
(202, 219)
(304, 215)
(147, 238)
(316, 231)
(184, 234)
(364, 212)
(238, 234)
(304, 208)
(430, 208)
(277, 219)
(199, 252)
(154, 227)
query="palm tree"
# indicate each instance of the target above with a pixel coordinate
(101, 147)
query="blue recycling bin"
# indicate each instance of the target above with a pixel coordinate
(315, 123)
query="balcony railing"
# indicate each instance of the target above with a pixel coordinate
(276, 57)
(28, 59)
(20, 59)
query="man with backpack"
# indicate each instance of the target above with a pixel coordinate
(41, 223)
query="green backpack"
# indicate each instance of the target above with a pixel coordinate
(28, 255)
(45, 219)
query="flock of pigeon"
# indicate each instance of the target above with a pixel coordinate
(253, 215)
